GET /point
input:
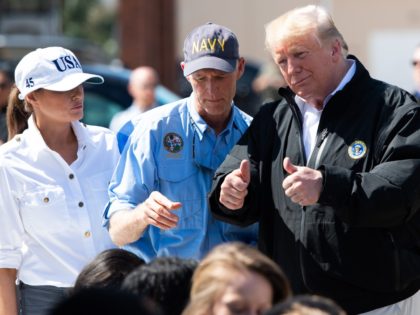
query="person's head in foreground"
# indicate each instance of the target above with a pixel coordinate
(235, 278)
(306, 305)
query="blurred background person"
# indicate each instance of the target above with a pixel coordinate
(53, 180)
(268, 82)
(5, 87)
(165, 280)
(142, 85)
(416, 72)
(235, 278)
(107, 270)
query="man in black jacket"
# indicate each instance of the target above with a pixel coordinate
(331, 172)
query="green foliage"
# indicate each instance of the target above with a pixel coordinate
(90, 19)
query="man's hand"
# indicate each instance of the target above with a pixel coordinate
(127, 226)
(303, 185)
(235, 187)
(157, 210)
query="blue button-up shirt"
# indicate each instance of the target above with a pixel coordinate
(172, 150)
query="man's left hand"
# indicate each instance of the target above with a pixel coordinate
(303, 185)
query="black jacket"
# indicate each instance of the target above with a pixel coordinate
(360, 244)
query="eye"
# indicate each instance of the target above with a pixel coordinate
(301, 54)
(237, 308)
(282, 61)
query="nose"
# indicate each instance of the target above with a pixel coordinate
(77, 92)
(211, 87)
(293, 66)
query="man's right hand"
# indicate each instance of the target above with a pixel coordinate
(157, 210)
(235, 187)
(127, 226)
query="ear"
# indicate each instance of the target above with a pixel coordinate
(336, 49)
(32, 99)
(130, 89)
(182, 64)
(241, 67)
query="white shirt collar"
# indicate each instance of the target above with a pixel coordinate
(83, 138)
(346, 79)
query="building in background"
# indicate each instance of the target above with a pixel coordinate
(382, 33)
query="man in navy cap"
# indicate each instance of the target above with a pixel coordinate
(158, 195)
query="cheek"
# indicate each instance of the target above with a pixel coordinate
(219, 308)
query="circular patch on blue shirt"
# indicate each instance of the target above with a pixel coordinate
(173, 142)
(357, 150)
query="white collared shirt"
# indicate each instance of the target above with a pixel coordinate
(50, 212)
(311, 116)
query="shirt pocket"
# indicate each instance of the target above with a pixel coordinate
(45, 211)
(181, 181)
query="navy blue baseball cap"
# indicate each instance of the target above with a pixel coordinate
(210, 46)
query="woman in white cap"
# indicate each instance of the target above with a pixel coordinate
(53, 180)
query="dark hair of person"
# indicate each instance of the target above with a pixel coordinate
(17, 114)
(104, 302)
(306, 305)
(165, 280)
(7, 74)
(107, 270)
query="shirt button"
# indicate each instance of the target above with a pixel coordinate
(46, 199)
(71, 176)
(81, 204)
(87, 234)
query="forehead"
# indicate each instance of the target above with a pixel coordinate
(296, 43)
(209, 72)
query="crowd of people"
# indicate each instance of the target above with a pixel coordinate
(194, 207)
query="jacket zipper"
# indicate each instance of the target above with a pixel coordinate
(396, 262)
(319, 148)
(303, 208)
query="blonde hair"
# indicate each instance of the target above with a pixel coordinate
(17, 114)
(212, 275)
(312, 19)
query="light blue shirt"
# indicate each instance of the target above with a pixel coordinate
(174, 151)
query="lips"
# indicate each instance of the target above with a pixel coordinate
(299, 82)
(77, 106)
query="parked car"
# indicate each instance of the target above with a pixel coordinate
(103, 101)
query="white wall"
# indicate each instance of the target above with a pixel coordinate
(390, 55)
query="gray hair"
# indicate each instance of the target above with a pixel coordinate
(308, 20)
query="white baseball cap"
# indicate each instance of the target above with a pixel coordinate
(51, 68)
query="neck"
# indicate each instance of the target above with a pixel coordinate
(61, 139)
(342, 68)
(218, 125)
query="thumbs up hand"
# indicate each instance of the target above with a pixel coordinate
(235, 187)
(303, 185)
